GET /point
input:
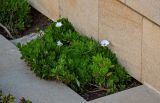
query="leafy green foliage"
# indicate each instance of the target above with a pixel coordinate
(10, 99)
(23, 100)
(79, 62)
(14, 14)
(6, 99)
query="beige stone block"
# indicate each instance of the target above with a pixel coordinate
(50, 8)
(123, 1)
(151, 54)
(123, 28)
(83, 14)
(148, 8)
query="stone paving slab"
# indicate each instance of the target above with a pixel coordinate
(27, 38)
(17, 79)
(141, 94)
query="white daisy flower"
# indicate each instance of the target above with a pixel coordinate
(59, 43)
(58, 24)
(104, 43)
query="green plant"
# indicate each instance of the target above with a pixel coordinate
(14, 14)
(7, 99)
(10, 99)
(78, 61)
(23, 100)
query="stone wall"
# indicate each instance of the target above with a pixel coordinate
(148, 8)
(123, 28)
(83, 14)
(151, 54)
(49, 8)
(130, 25)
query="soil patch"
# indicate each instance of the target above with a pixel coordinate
(39, 22)
(94, 92)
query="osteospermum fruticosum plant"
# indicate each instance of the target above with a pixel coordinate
(76, 60)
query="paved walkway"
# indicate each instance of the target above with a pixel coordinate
(17, 79)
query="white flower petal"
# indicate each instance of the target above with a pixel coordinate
(104, 43)
(59, 24)
(59, 43)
